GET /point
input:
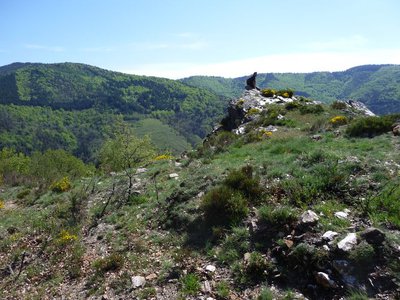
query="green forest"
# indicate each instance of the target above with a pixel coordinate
(378, 86)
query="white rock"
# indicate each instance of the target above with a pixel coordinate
(326, 247)
(206, 287)
(308, 217)
(178, 164)
(329, 235)
(173, 176)
(138, 281)
(341, 215)
(210, 268)
(141, 170)
(324, 280)
(348, 242)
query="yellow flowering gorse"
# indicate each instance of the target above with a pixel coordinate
(338, 120)
(163, 157)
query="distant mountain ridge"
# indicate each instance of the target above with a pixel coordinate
(378, 86)
(71, 86)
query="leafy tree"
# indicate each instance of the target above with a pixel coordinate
(125, 152)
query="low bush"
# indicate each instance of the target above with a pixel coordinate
(234, 245)
(62, 185)
(268, 92)
(244, 182)
(190, 284)
(280, 215)
(257, 267)
(224, 206)
(292, 105)
(113, 262)
(371, 126)
(311, 109)
(339, 105)
(362, 255)
(286, 93)
(338, 121)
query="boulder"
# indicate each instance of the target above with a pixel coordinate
(329, 235)
(138, 281)
(308, 217)
(348, 243)
(396, 130)
(324, 280)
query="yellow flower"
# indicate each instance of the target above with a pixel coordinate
(61, 186)
(338, 120)
(66, 237)
(1, 204)
(163, 157)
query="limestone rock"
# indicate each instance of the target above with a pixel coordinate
(396, 130)
(324, 280)
(138, 281)
(151, 276)
(308, 217)
(173, 175)
(348, 243)
(210, 268)
(329, 235)
(206, 287)
(341, 215)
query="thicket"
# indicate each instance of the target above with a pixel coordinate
(372, 126)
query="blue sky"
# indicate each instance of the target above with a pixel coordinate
(179, 38)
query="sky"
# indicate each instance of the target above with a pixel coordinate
(181, 38)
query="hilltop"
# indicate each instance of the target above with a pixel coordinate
(53, 94)
(288, 198)
(377, 86)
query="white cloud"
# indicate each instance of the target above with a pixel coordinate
(280, 63)
(45, 48)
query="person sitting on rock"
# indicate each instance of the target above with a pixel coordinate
(251, 82)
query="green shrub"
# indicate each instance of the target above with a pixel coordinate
(268, 92)
(362, 255)
(23, 194)
(371, 126)
(113, 262)
(339, 105)
(244, 182)
(190, 284)
(385, 207)
(257, 267)
(234, 245)
(357, 295)
(224, 206)
(62, 185)
(286, 93)
(280, 215)
(292, 105)
(265, 294)
(311, 109)
(223, 290)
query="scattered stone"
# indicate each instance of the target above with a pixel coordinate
(173, 176)
(323, 279)
(396, 130)
(329, 235)
(373, 236)
(206, 287)
(141, 170)
(210, 268)
(316, 137)
(348, 242)
(246, 257)
(138, 281)
(152, 276)
(178, 164)
(341, 215)
(288, 243)
(326, 248)
(308, 217)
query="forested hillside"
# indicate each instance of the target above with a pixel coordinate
(378, 86)
(66, 105)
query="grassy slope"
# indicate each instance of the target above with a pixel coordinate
(165, 233)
